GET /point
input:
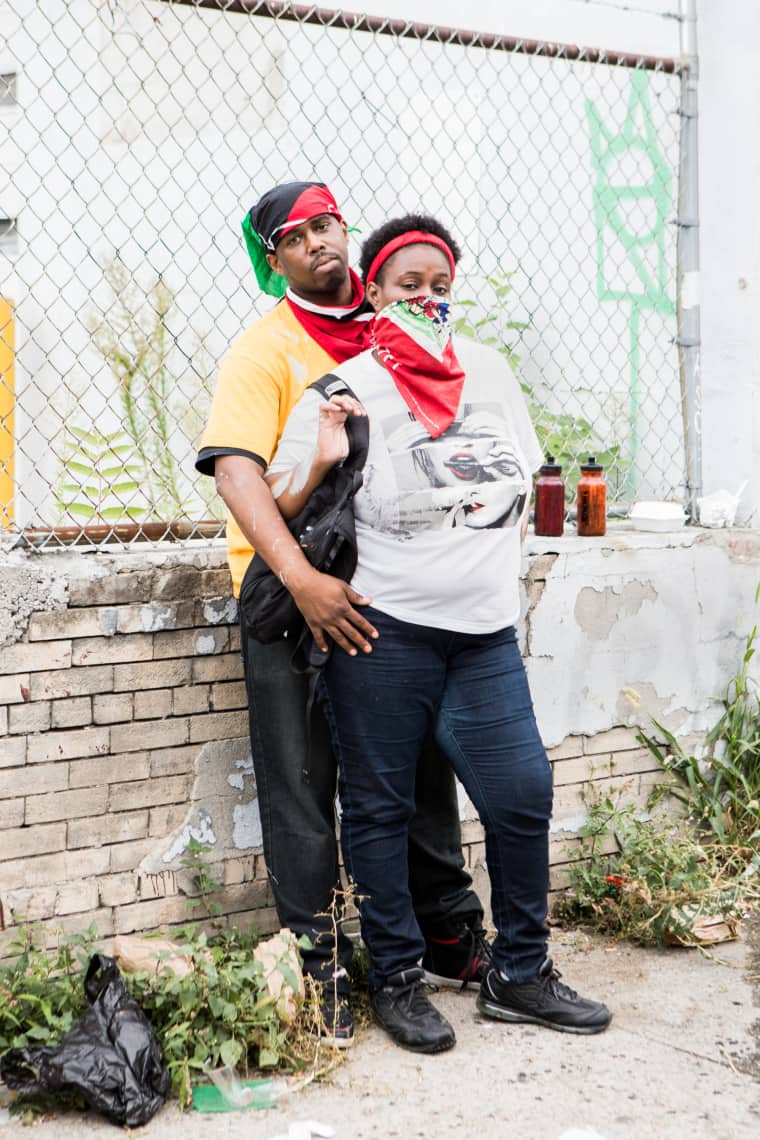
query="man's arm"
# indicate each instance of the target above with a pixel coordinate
(326, 603)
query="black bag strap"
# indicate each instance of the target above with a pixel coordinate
(307, 659)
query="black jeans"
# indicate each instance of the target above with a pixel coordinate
(296, 782)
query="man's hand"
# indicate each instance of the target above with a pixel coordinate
(327, 605)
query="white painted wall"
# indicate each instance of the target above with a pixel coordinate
(729, 142)
(639, 627)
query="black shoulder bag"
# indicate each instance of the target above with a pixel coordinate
(325, 529)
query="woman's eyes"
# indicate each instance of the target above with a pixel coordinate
(443, 290)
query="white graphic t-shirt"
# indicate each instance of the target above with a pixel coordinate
(437, 520)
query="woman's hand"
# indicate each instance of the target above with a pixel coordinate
(332, 438)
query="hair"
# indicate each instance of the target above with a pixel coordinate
(395, 228)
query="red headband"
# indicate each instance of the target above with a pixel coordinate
(411, 237)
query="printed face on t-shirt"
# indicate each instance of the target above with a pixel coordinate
(472, 475)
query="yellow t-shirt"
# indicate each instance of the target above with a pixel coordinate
(260, 379)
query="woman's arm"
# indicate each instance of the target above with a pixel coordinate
(292, 488)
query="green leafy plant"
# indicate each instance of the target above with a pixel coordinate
(570, 439)
(41, 999)
(162, 400)
(133, 338)
(646, 878)
(100, 475)
(721, 788)
(495, 328)
(218, 1013)
(204, 881)
(221, 1013)
(41, 995)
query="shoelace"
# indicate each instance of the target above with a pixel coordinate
(411, 998)
(552, 984)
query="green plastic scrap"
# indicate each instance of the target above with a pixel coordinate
(208, 1098)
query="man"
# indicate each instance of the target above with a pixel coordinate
(298, 243)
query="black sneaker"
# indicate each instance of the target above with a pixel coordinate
(403, 1009)
(544, 1001)
(334, 1025)
(461, 962)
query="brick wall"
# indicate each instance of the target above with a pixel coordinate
(123, 727)
(111, 705)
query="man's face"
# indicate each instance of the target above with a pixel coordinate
(313, 258)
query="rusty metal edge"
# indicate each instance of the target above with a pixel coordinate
(461, 37)
(97, 534)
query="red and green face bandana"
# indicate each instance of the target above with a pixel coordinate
(278, 212)
(412, 339)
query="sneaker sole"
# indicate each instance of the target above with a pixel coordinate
(499, 1013)
(332, 1042)
(439, 1047)
(445, 982)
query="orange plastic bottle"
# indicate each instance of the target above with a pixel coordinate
(592, 499)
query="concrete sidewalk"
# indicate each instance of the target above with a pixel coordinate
(680, 1061)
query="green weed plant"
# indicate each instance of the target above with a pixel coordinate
(100, 476)
(648, 876)
(720, 789)
(162, 397)
(654, 883)
(219, 1013)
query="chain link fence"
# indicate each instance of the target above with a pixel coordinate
(135, 135)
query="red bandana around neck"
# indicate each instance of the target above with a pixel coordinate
(342, 331)
(412, 339)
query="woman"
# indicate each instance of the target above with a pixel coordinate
(439, 521)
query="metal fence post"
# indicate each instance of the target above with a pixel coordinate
(688, 339)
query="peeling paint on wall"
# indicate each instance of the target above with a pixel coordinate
(246, 825)
(596, 611)
(223, 811)
(640, 694)
(201, 832)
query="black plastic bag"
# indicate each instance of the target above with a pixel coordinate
(112, 1056)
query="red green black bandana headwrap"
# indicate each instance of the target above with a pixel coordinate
(274, 215)
(412, 339)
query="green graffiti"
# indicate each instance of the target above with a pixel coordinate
(632, 195)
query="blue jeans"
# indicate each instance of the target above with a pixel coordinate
(471, 692)
(297, 808)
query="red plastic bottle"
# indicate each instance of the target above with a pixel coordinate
(592, 499)
(550, 500)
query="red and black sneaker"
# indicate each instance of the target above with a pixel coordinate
(461, 962)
